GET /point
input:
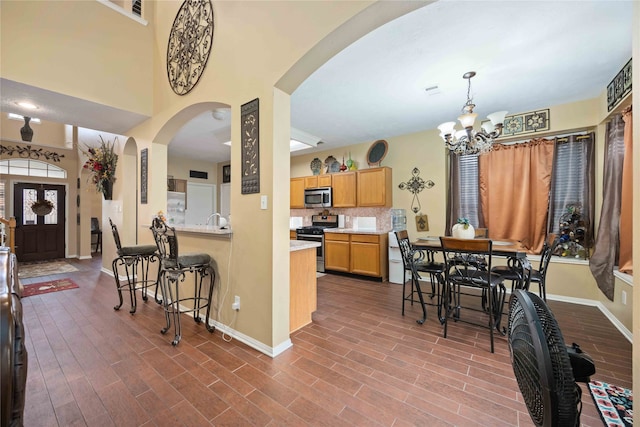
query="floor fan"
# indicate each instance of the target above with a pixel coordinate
(545, 368)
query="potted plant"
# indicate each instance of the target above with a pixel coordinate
(42, 207)
(463, 230)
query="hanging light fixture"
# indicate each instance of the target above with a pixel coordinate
(467, 140)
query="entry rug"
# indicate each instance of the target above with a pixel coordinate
(614, 403)
(48, 287)
(27, 270)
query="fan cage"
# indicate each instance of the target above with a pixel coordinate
(541, 363)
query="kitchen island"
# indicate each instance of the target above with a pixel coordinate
(303, 291)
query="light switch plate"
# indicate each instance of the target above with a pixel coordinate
(263, 202)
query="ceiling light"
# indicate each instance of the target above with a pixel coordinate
(297, 145)
(21, 118)
(219, 113)
(469, 141)
(227, 143)
(28, 105)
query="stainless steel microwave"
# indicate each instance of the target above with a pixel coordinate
(317, 197)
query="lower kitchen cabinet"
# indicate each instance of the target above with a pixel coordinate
(336, 252)
(363, 254)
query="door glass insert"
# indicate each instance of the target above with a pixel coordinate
(29, 195)
(52, 196)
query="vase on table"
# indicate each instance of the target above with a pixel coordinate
(463, 231)
(107, 189)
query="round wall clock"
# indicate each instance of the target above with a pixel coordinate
(189, 44)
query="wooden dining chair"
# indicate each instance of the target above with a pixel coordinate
(465, 278)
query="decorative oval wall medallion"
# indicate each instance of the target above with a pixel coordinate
(189, 44)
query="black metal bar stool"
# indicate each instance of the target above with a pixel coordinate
(136, 261)
(173, 271)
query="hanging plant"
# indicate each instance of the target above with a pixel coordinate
(41, 207)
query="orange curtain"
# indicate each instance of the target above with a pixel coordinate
(514, 191)
(625, 259)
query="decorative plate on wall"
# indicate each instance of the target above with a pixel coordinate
(189, 44)
(376, 152)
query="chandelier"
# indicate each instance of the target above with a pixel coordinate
(467, 140)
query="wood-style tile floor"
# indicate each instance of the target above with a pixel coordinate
(359, 363)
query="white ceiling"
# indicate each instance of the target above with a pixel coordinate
(527, 55)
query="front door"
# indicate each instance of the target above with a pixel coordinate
(39, 237)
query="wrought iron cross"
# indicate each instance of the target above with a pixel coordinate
(415, 185)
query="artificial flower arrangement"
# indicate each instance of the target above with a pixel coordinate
(42, 207)
(464, 222)
(101, 163)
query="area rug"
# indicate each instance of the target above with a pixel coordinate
(27, 270)
(48, 287)
(615, 404)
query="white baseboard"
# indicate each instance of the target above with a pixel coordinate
(583, 301)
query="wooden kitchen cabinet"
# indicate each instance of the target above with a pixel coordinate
(296, 193)
(336, 252)
(374, 187)
(363, 254)
(344, 190)
(293, 235)
(317, 181)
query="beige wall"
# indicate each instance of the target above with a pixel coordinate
(179, 168)
(80, 48)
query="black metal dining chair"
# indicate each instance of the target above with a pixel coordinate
(539, 276)
(135, 260)
(417, 261)
(173, 270)
(465, 278)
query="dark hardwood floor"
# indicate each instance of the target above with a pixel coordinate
(359, 363)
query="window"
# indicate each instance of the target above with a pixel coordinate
(28, 167)
(571, 185)
(470, 197)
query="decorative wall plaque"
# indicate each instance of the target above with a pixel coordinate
(619, 87)
(144, 174)
(189, 44)
(250, 128)
(533, 121)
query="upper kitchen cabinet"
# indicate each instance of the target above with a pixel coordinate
(296, 193)
(374, 187)
(317, 181)
(344, 190)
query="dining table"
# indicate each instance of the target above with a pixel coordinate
(513, 250)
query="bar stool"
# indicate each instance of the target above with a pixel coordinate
(135, 260)
(173, 270)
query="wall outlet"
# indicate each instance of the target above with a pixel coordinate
(236, 303)
(623, 297)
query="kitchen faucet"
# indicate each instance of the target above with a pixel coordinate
(211, 216)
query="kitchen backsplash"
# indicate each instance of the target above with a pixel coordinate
(382, 215)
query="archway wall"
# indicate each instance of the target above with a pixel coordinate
(257, 47)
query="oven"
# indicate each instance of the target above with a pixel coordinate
(301, 234)
(315, 233)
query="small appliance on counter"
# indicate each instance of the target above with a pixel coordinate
(398, 219)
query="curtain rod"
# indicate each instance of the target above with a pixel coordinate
(561, 138)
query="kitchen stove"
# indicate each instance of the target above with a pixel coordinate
(315, 233)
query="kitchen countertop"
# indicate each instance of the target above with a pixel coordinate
(204, 229)
(355, 231)
(298, 245)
